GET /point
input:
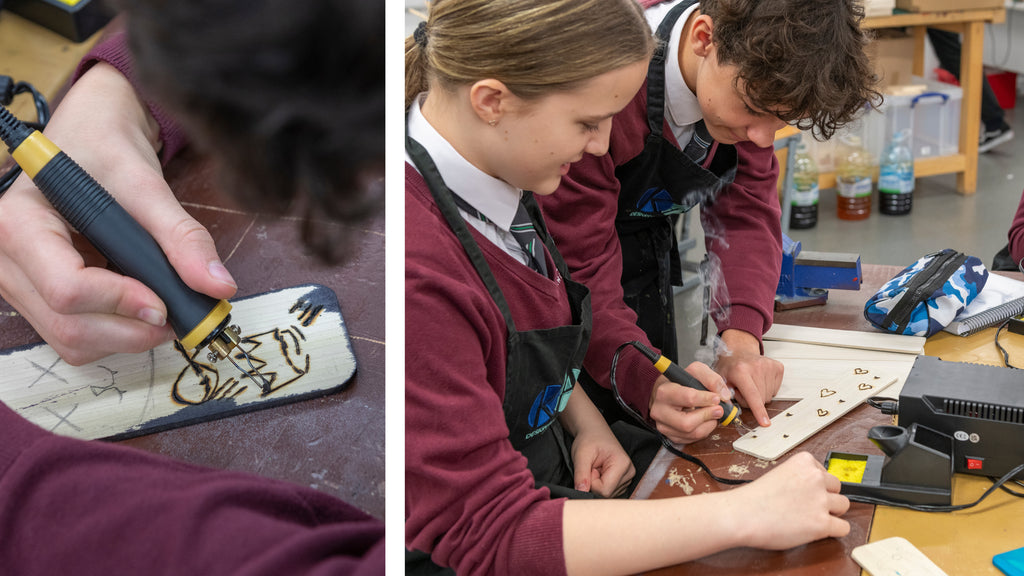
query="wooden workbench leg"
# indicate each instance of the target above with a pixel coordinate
(971, 77)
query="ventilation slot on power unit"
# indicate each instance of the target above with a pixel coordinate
(983, 411)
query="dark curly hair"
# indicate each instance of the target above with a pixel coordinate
(288, 96)
(802, 59)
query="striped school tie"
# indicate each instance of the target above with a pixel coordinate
(700, 142)
(522, 230)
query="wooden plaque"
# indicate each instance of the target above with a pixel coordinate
(797, 423)
(296, 337)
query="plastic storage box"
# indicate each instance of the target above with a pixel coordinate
(932, 115)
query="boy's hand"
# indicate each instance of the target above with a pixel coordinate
(755, 378)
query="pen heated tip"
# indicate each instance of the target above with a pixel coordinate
(263, 383)
(228, 340)
(741, 427)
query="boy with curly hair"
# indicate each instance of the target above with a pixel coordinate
(728, 74)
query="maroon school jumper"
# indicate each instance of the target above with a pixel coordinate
(581, 219)
(470, 500)
(1016, 234)
(69, 506)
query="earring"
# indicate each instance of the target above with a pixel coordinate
(493, 123)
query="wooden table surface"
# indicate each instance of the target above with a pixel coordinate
(670, 476)
(334, 443)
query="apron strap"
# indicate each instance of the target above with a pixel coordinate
(446, 204)
(656, 69)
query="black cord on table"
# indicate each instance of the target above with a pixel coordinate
(664, 441)
(8, 90)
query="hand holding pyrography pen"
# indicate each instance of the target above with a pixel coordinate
(672, 371)
(197, 320)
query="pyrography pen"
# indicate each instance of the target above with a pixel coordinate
(198, 321)
(673, 372)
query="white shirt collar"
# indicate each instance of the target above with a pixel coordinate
(681, 104)
(494, 198)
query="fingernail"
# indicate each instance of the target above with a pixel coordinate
(717, 411)
(582, 487)
(152, 316)
(218, 271)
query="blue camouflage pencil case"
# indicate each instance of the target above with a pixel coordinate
(927, 295)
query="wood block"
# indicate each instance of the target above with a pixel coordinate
(296, 338)
(794, 425)
(783, 350)
(894, 557)
(880, 341)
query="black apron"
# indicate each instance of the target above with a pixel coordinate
(656, 186)
(542, 365)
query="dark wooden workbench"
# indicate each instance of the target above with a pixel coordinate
(830, 557)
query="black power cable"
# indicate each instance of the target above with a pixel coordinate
(8, 90)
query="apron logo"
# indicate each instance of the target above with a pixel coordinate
(657, 202)
(549, 403)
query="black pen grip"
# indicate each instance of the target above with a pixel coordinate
(91, 210)
(676, 374)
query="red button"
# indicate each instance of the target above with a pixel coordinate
(974, 463)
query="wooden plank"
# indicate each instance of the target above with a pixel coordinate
(785, 350)
(880, 341)
(296, 338)
(800, 421)
(894, 556)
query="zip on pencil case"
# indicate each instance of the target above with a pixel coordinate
(927, 295)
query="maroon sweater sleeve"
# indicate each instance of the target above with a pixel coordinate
(744, 234)
(1016, 235)
(113, 50)
(581, 218)
(93, 508)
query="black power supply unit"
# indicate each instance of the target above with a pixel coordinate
(75, 20)
(981, 407)
(1015, 325)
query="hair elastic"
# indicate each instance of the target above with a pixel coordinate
(420, 35)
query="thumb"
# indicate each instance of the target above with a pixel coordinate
(186, 243)
(582, 480)
(193, 254)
